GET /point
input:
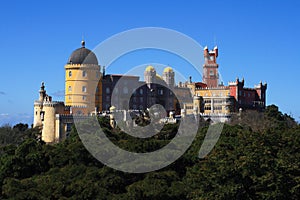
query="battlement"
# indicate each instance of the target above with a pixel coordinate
(82, 66)
(53, 103)
(212, 88)
(260, 85)
(76, 106)
(37, 103)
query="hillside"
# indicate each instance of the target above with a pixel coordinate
(256, 157)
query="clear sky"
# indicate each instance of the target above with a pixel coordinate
(257, 40)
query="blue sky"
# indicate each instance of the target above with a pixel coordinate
(257, 40)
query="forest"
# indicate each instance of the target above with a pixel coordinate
(256, 157)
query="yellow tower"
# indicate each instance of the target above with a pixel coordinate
(83, 89)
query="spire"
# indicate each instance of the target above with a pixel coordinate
(43, 86)
(42, 92)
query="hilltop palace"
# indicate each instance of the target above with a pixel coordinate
(89, 91)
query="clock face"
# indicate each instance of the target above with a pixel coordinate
(211, 57)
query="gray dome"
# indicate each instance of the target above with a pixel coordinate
(83, 56)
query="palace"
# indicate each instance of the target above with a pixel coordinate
(90, 91)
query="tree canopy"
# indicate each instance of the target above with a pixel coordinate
(249, 161)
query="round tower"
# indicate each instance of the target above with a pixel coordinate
(50, 132)
(150, 74)
(168, 76)
(82, 85)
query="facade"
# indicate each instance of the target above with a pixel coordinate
(90, 91)
(220, 101)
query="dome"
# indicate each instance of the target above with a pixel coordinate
(168, 69)
(83, 56)
(150, 69)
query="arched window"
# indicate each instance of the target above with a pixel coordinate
(107, 90)
(70, 73)
(70, 89)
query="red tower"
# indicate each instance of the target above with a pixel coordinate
(210, 68)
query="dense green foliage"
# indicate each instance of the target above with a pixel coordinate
(248, 162)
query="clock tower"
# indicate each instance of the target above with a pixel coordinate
(210, 68)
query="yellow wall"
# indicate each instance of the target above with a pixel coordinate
(217, 94)
(77, 81)
(222, 92)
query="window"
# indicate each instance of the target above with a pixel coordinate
(160, 91)
(83, 88)
(70, 73)
(79, 112)
(70, 89)
(207, 108)
(211, 72)
(84, 97)
(69, 97)
(141, 99)
(207, 101)
(107, 98)
(141, 91)
(42, 114)
(218, 108)
(83, 73)
(107, 90)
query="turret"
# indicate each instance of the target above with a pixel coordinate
(42, 92)
(150, 75)
(169, 76)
